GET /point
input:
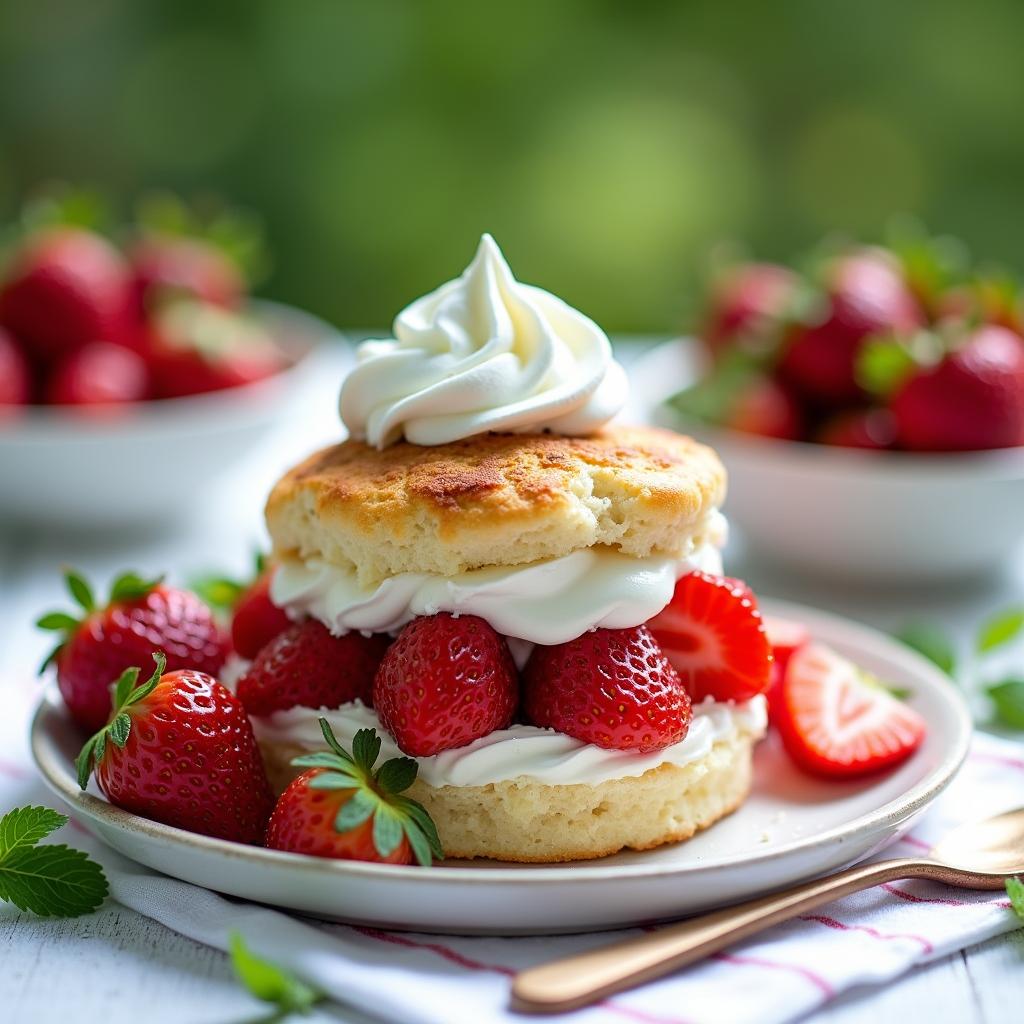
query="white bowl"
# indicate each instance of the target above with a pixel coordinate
(838, 512)
(62, 469)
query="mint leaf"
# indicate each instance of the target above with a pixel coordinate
(52, 881)
(268, 982)
(1008, 698)
(1015, 890)
(25, 826)
(930, 641)
(999, 629)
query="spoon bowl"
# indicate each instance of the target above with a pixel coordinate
(994, 846)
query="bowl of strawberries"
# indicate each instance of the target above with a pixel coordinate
(870, 411)
(132, 371)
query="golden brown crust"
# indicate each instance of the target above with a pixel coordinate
(495, 499)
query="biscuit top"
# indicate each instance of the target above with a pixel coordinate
(483, 353)
(495, 499)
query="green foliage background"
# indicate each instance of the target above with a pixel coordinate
(608, 146)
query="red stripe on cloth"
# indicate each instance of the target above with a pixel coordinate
(774, 965)
(831, 922)
(947, 902)
(455, 957)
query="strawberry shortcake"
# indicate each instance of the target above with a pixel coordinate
(521, 596)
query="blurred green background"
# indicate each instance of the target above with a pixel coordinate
(608, 146)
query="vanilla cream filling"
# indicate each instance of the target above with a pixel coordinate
(522, 751)
(546, 602)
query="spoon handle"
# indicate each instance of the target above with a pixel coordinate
(580, 980)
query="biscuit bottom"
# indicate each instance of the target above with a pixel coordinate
(529, 822)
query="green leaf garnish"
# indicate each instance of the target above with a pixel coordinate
(223, 592)
(1000, 629)
(932, 642)
(1015, 890)
(1008, 699)
(378, 794)
(883, 364)
(268, 982)
(127, 692)
(52, 881)
(80, 591)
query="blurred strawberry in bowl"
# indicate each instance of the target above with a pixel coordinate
(875, 430)
(866, 295)
(169, 267)
(65, 288)
(129, 377)
(195, 347)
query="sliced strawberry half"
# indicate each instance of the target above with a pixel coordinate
(786, 637)
(836, 721)
(714, 636)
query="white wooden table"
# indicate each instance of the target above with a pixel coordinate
(116, 965)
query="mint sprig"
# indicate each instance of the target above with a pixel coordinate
(269, 982)
(929, 640)
(378, 794)
(995, 632)
(127, 691)
(999, 629)
(129, 586)
(51, 881)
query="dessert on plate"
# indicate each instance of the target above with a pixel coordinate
(522, 596)
(496, 625)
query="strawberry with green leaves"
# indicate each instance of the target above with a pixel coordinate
(180, 749)
(140, 616)
(255, 619)
(343, 807)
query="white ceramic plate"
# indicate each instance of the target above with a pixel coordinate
(791, 828)
(846, 514)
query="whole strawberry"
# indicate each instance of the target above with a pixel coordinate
(168, 266)
(195, 347)
(66, 287)
(610, 687)
(140, 616)
(869, 429)
(99, 377)
(866, 295)
(305, 666)
(255, 619)
(15, 375)
(345, 808)
(179, 749)
(446, 681)
(973, 399)
(748, 302)
(762, 406)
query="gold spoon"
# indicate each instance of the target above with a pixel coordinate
(974, 856)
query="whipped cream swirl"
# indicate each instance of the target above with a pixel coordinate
(541, 755)
(483, 353)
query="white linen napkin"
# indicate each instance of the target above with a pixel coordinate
(410, 978)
